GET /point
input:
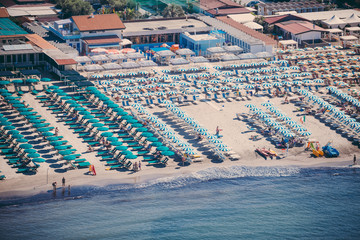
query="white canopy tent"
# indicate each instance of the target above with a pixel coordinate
(353, 20)
(254, 25)
(334, 22)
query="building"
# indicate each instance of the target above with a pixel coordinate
(300, 31)
(270, 21)
(90, 31)
(271, 8)
(199, 43)
(221, 7)
(152, 33)
(325, 15)
(237, 34)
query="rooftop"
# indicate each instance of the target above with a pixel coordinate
(201, 37)
(226, 11)
(298, 27)
(282, 18)
(98, 22)
(102, 40)
(159, 26)
(317, 16)
(39, 41)
(212, 4)
(3, 13)
(7, 27)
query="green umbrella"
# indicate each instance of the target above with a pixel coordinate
(162, 148)
(6, 94)
(142, 129)
(136, 125)
(70, 101)
(4, 83)
(65, 152)
(41, 125)
(66, 98)
(9, 127)
(88, 117)
(17, 81)
(102, 129)
(24, 109)
(91, 88)
(31, 117)
(127, 117)
(121, 148)
(37, 120)
(74, 105)
(131, 156)
(58, 90)
(53, 87)
(168, 153)
(12, 132)
(118, 110)
(27, 113)
(39, 160)
(32, 80)
(44, 129)
(94, 120)
(147, 134)
(98, 124)
(156, 144)
(56, 143)
(112, 139)
(45, 79)
(5, 123)
(152, 139)
(33, 155)
(22, 140)
(17, 136)
(47, 134)
(30, 150)
(18, 105)
(62, 94)
(126, 152)
(4, 119)
(69, 157)
(61, 147)
(112, 105)
(79, 109)
(132, 121)
(10, 98)
(107, 134)
(25, 146)
(54, 138)
(85, 113)
(3, 90)
(116, 143)
(122, 114)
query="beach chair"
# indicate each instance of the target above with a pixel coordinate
(227, 97)
(217, 99)
(149, 104)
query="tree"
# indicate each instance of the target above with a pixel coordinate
(74, 7)
(173, 10)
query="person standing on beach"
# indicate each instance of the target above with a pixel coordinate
(56, 131)
(354, 159)
(63, 182)
(139, 165)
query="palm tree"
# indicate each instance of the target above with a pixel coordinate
(173, 10)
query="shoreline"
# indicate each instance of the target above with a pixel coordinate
(148, 175)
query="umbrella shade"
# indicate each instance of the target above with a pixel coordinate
(122, 113)
(30, 150)
(88, 117)
(27, 113)
(65, 152)
(85, 113)
(162, 148)
(4, 119)
(47, 134)
(131, 156)
(126, 152)
(9, 127)
(31, 117)
(74, 105)
(168, 153)
(132, 121)
(156, 144)
(102, 129)
(57, 143)
(41, 125)
(121, 148)
(66, 98)
(107, 134)
(61, 147)
(112, 139)
(118, 143)
(25, 146)
(17, 136)
(22, 140)
(33, 155)
(53, 87)
(127, 117)
(142, 129)
(94, 120)
(152, 139)
(16, 104)
(37, 120)
(45, 129)
(5, 123)
(147, 134)
(69, 157)
(136, 125)
(79, 109)
(10, 98)
(38, 160)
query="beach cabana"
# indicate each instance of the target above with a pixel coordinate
(214, 52)
(233, 49)
(117, 57)
(185, 53)
(229, 57)
(334, 22)
(199, 59)
(134, 55)
(93, 68)
(147, 63)
(100, 59)
(247, 56)
(264, 55)
(163, 57)
(353, 20)
(111, 66)
(128, 65)
(82, 60)
(179, 61)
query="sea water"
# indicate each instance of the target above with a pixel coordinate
(217, 203)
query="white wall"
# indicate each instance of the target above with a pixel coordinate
(309, 36)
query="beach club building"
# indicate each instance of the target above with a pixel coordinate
(88, 32)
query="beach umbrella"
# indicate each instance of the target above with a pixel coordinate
(88, 116)
(162, 148)
(147, 134)
(132, 121)
(13, 132)
(53, 87)
(107, 134)
(152, 139)
(47, 134)
(94, 120)
(5, 123)
(118, 143)
(168, 153)
(127, 117)
(30, 150)
(84, 113)
(54, 138)
(131, 156)
(22, 140)
(142, 129)
(3, 83)
(17, 136)
(136, 125)
(65, 152)
(97, 124)
(69, 157)
(156, 144)
(102, 129)
(56, 143)
(26, 146)
(121, 148)
(9, 127)
(38, 160)
(112, 139)
(305, 133)
(33, 155)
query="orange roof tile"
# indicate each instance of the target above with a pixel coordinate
(65, 61)
(39, 41)
(247, 30)
(296, 27)
(3, 13)
(98, 22)
(102, 40)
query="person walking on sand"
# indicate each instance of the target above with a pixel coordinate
(139, 165)
(217, 131)
(63, 182)
(56, 131)
(354, 159)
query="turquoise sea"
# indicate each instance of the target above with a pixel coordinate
(218, 203)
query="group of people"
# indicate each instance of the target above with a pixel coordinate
(137, 166)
